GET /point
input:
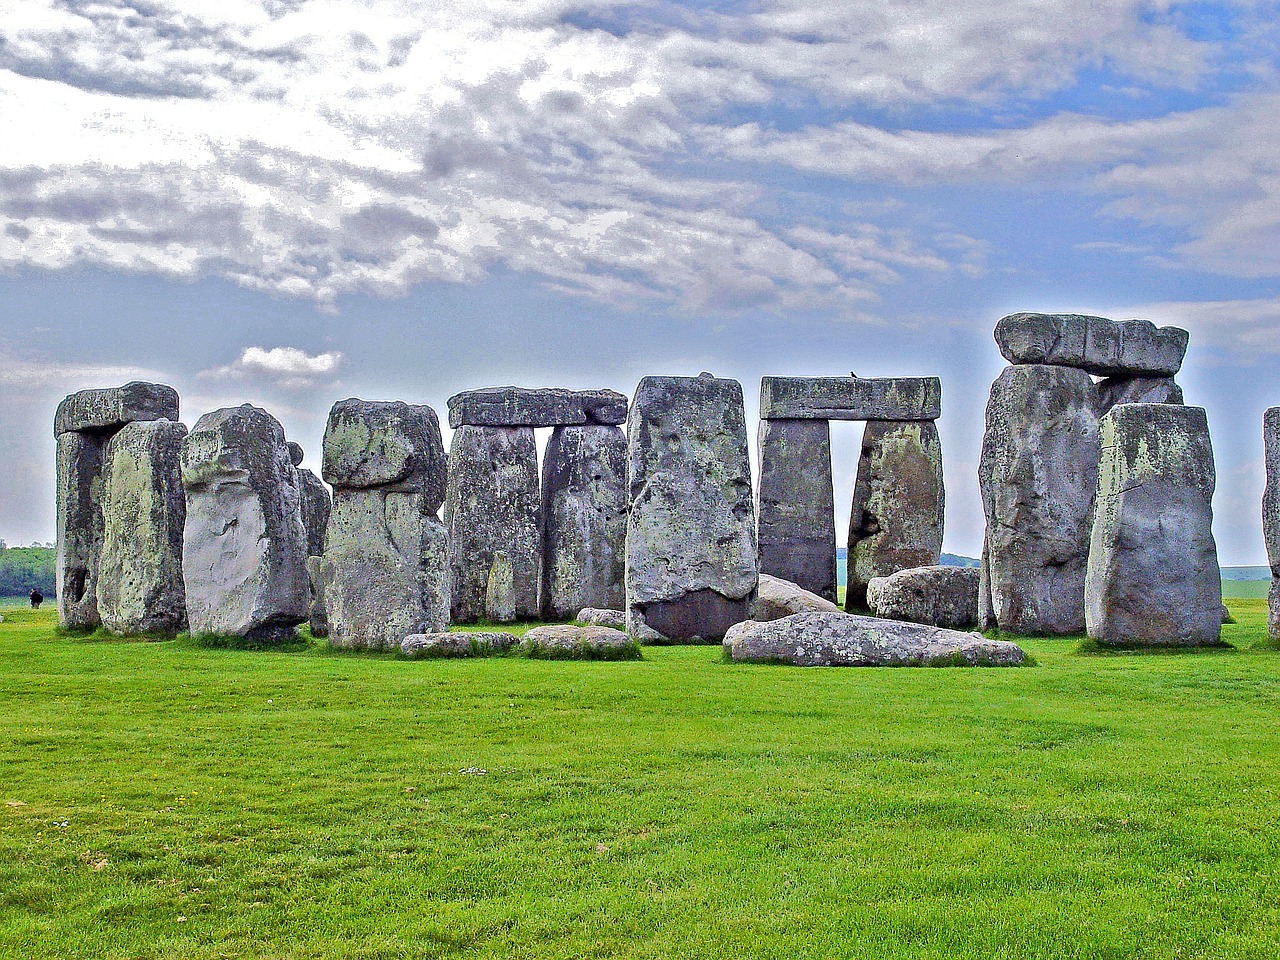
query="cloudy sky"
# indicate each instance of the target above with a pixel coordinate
(295, 201)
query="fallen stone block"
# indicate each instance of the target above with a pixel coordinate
(597, 617)
(459, 643)
(847, 640)
(778, 598)
(567, 642)
(937, 595)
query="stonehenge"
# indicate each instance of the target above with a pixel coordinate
(1095, 481)
(1038, 471)
(244, 549)
(83, 425)
(1153, 576)
(691, 567)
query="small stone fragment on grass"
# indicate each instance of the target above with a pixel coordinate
(567, 642)
(598, 617)
(423, 646)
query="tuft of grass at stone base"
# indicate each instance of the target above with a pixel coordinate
(166, 800)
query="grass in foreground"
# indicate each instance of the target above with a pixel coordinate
(168, 800)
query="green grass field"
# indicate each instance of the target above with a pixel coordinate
(165, 800)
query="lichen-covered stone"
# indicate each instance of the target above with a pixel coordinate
(567, 642)
(850, 398)
(691, 569)
(1038, 475)
(1105, 348)
(1153, 576)
(584, 520)
(1270, 513)
(244, 553)
(493, 507)
(389, 444)
(500, 591)
(140, 587)
(1114, 391)
(80, 528)
(384, 572)
(937, 595)
(316, 507)
(778, 598)
(845, 640)
(319, 616)
(899, 504)
(107, 410)
(617, 619)
(460, 643)
(535, 407)
(796, 527)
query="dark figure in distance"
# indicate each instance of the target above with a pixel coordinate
(37, 598)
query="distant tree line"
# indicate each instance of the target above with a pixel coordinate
(22, 568)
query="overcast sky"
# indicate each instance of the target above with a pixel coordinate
(295, 201)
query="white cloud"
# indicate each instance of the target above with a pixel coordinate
(286, 366)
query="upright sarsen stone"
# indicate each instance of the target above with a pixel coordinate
(898, 504)
(79, 472)
(584, 520)
(1038, 475)
(691, 541)
(1271, 513)
(796, 527)
(384, 574)
(140, 586)
(316, 507)
(493, 507)
(1153, 574)
(244, 555)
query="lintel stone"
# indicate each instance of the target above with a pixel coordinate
(536, 407)
(850, 398)
(110, 408)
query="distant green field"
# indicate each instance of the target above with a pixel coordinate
(161, 800)
(1246, 589)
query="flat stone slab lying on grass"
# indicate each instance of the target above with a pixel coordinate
(777, 598)
(847, 640)
(1105, 348)
(567, 642)
(598, 617)
(460, 643)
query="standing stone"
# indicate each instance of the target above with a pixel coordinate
(140, 588)
(584, 520)
(319, 616)
(316, 507)
(796, 526)
(1271, 513)
(80, 526)
(691, 541)
(898, 504)
(384, 573)
(500, 591)
(493, 506)
(1038, 474)
(1153, 574)
(244, 550)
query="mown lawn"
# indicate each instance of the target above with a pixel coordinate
(164, 800)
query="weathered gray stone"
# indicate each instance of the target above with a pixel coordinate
(1270, 514)
(986, 609)
(778, 598)
(384, 572)
(109, 409)
(937, 595)
(584, 520)
(296, 453)
(1117, 390)
(899, 505)
(244, 549)
(493, 507)
(617, 619)
(1273, 609)
(567, 642)
(500, 591)
(845, 640)
(796, 526)
(319, 615)
(1105, 348)
(691, 567)
(316, 507)
(80, 528)
(535, 407)
(850, 398)
(1153, 576)
(388, 444)
(140, 588)
(1038, 474)
(460, 643)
